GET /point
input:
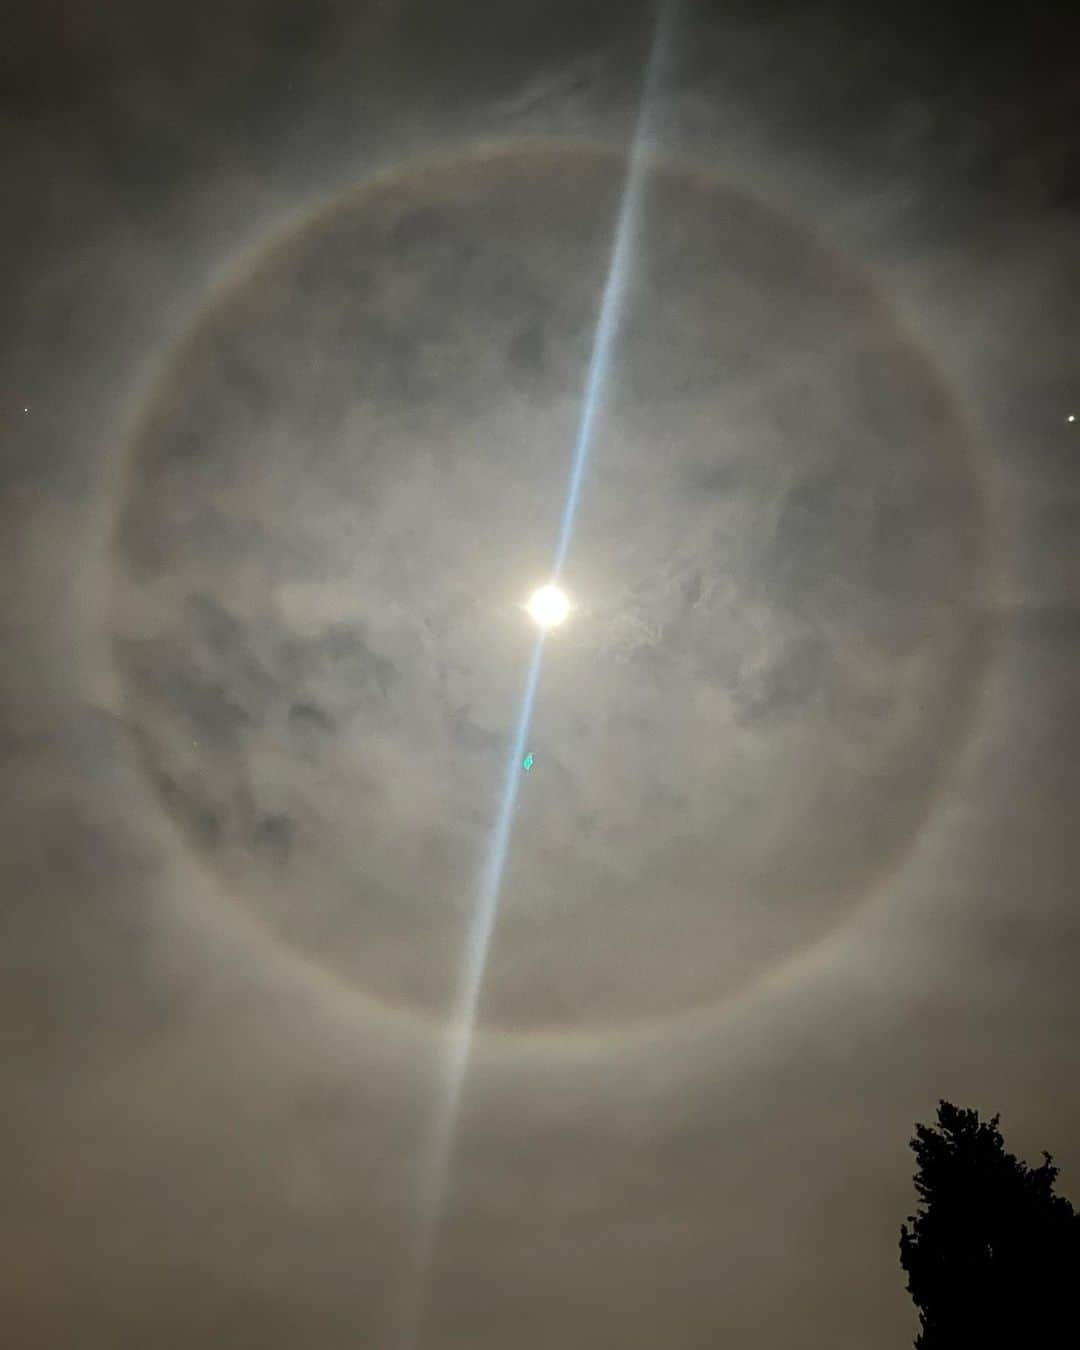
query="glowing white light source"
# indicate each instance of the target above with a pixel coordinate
(548, 606)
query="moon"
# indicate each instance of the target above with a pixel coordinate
(354, 469)
(548, 606)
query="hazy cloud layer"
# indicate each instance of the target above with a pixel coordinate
(285, 445)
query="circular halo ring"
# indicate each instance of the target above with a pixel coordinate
(594, 1037)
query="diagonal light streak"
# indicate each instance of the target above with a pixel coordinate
(436, 1159)
(438, 1145)
(614, 286)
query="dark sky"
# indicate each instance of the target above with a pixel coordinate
(298, 305)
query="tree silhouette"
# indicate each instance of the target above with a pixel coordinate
(993, 1256)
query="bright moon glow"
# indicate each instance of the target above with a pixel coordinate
(549, 606)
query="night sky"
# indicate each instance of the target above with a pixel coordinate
(299, 302)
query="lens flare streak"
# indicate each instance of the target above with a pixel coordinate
(438, 1146)
(458, 1039)
(607, 322)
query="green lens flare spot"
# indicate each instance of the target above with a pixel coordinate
(527, 762)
